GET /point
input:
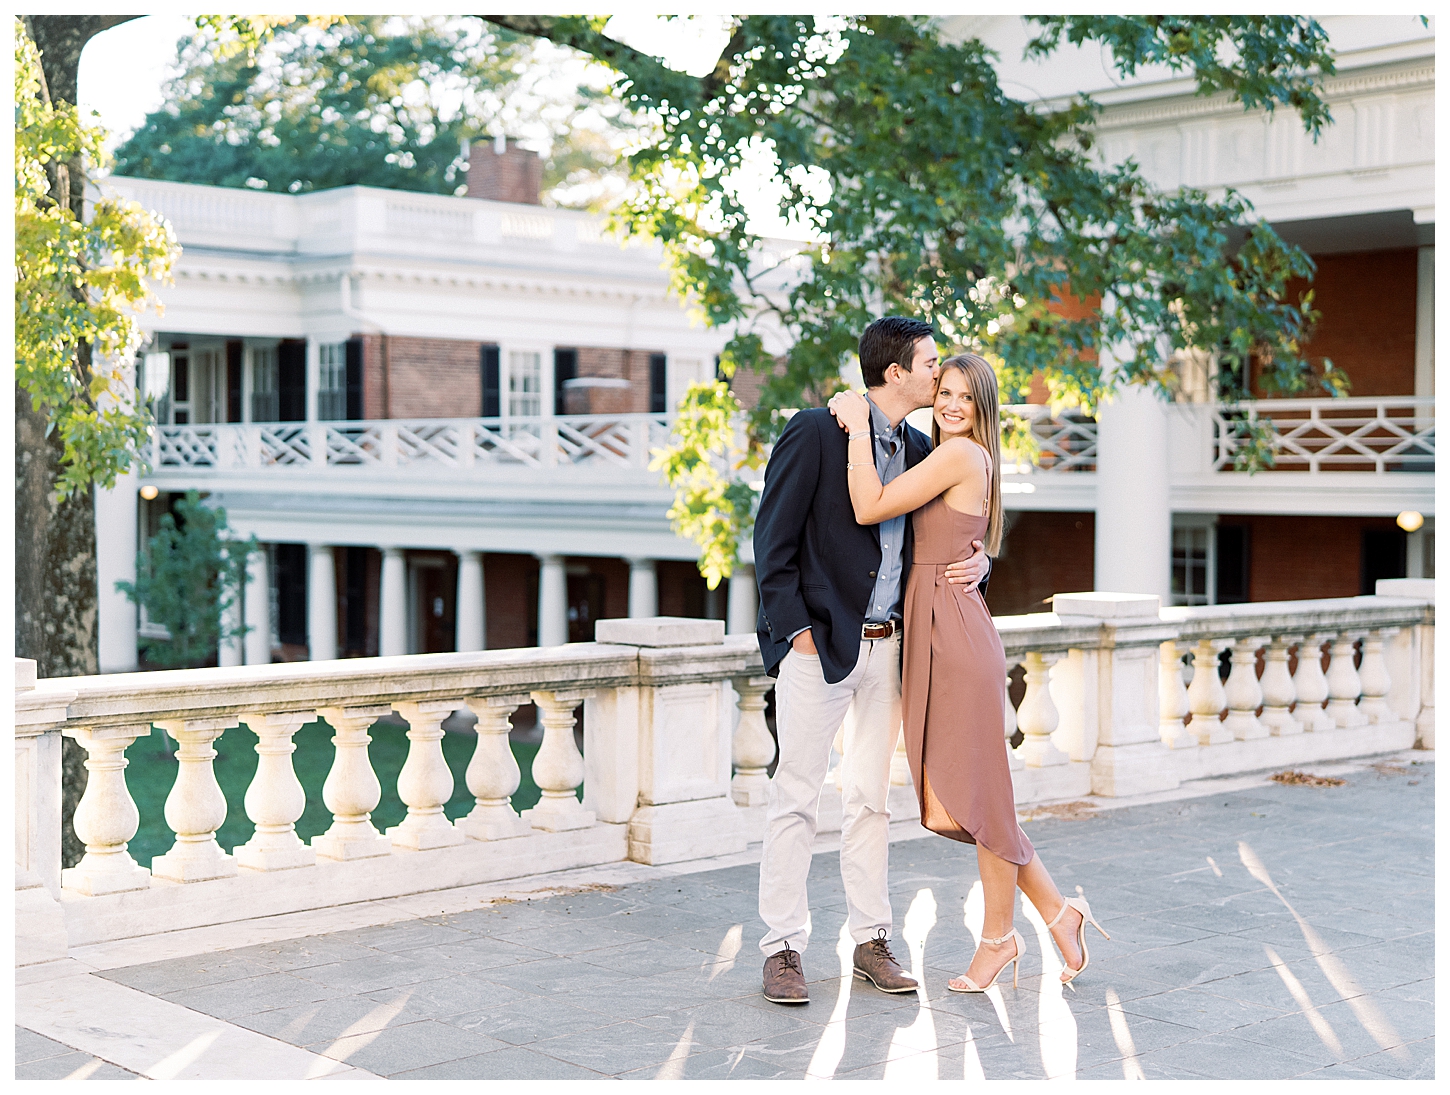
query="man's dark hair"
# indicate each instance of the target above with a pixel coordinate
(887, 340)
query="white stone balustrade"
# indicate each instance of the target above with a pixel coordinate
(1310, 687)
(1207, 697)
(1173, 704)
(1343, 682)
(1010, 728)
(275, 799)
(1243, 693)
(660, 733)
(493, 774)
(426, 784)
(196, 807)
(753, 748)
(352, 790)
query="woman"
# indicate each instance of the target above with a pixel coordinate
(953, 682)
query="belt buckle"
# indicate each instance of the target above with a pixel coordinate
(876, 631)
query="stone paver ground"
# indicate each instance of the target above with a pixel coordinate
(1283, 931)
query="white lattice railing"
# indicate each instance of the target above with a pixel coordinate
(1066, 442)
(622, 441)
(1390, 434)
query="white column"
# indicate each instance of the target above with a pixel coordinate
(1133, 537)
(229, 645)
(393, 605)
(470, 602)
(744, 601)
(553, 601)
(321, 604)
(257, 610)
(643, 589)
(117, 542)
(1425, 323)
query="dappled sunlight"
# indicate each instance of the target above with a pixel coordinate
(674, 1066)
(832, 1045)
(1301, 997)
(359, 1035)
(1056, 1027)
(1370, 1017)
(973, 912)
(913, 1048)
(725, 955)
(168, 1068)
(1132, 1070)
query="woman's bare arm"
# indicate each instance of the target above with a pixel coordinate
(946, 466)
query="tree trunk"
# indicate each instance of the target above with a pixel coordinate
(55, 542)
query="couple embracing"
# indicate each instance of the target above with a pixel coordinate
(872, 549)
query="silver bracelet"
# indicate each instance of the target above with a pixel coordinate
(858, 464)
(858, 435)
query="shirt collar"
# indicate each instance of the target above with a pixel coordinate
(880, 424)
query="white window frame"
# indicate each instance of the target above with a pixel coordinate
(1207, 524)
(546, 380)
(331, 356)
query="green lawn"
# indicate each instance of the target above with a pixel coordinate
(152, 772)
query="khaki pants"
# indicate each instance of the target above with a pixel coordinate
(808, 713)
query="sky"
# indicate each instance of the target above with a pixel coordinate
(123, 70)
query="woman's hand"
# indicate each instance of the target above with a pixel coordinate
(851, 410)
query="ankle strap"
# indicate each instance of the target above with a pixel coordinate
(1000, 939)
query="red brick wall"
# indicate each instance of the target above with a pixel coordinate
(1293, 558)
(1367, 325)
(426, 378)
(630, 365)
(1042, 554)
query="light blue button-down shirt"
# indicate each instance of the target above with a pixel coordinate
(890, 449)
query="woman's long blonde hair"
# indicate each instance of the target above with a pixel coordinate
(986, 430)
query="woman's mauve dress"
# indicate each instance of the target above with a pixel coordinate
(953, 687)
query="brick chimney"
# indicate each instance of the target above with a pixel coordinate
(513, 175)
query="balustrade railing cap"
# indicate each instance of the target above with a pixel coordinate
(1405, 587)
(1125, 607)
(660, 631)
(24, 674)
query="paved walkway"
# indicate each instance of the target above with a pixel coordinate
(1263, 931)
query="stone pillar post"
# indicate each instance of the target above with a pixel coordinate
(321, 604)
(257, 610)
(553, 601)
(753, 748)
(1425, 327)
(1130, 757)
(40, 934)
(643, 589)
(1133, 541)
(744, 601)
(352, 790)
(393, 605)
(426, 783)
(196, 807)
(275, 799)
(493, 773)
(116, 545)
(470, 602)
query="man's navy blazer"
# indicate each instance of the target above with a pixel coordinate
(815, 566)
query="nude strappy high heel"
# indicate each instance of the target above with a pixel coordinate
(1019, 947)
(1081, 905)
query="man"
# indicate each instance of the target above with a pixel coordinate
(829, 629)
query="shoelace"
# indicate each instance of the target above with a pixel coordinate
(882, 949)
(790, 960)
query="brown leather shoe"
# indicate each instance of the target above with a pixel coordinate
(873, 962)
(785, 981)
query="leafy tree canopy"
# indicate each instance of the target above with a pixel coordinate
(924, 189)
(79, 286)
(374, 100)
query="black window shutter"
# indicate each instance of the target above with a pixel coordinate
(566, 367)
(355, 379)
(488, 370)
(657, 384)
(234, 380)
(292, 380)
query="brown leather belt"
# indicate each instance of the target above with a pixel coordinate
(879, 631)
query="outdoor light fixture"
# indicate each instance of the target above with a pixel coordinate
(149, 492)
(1410, 520)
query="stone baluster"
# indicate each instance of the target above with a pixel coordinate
(352, 790)
(1009, 724)
(106, 817)
(275, 799)
(1038, 715)
(1173, 698)
(558, 766)
(1278, 689)
(493, 773)
(425, 784)
(196, 807)
(751, 748)
(1343, 681)
(1206, 697)
(1244, 693)
(1310, 687)
(1374, 678)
